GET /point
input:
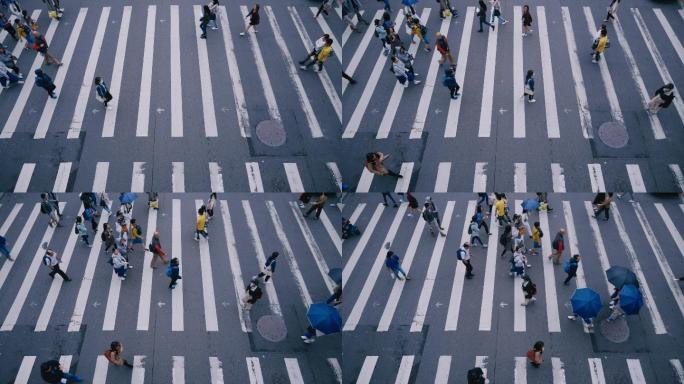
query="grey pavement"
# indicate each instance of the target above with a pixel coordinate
(170, 331)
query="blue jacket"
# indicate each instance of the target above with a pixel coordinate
(272, 263)
(392, 262)
(3, 241)
(42, 79)
(530, 83)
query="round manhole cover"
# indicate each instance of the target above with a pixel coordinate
(616, 331)
(613, 134)
(271, 133)
(272, 328)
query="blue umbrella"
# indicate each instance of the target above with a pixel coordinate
(619, 276)
(586, 303)
(127, 197)
(324, 318)
(631, 299)
(530, 204)
(336, 275)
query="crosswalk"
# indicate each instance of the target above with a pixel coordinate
(448, 369)
(454, 177)
(436, 295)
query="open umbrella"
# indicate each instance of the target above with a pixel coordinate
(586, 303)
(619, 276)
(336, 275)
(324, 318)
(631, 299)
(127, 197)
(530, 204)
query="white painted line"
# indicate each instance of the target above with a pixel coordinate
(254, 177)
(671, 227)
(549, 275)
(635, 178)
(210, 318)
(109, 321)
(598, 244)
(273, 111)
(117, 75)
(326, 29)
(62, 179)
(360, 50)
(323, 75)
(480, 178)
(235, 80)
(100, 179)
(490, 270)
(660, 256)
(481, 361)
(215, 370)
(635, 372)
(146, 284)
(176, 82)
(254, 369)
(138, 375)
(670, 33)
(552, 127)
(88, 79)
(289, 254)
(404, 373)
(336, 174)
(678, 176)
(86, 282)
(485, 129)
(142, 126)
(336, 368)
(443, 174)
(431, 275)
(573, 243)
(443, 368)
(679, 371)
(578, 80)
(338, 10)
(332, 232)
(520, 177)
(208, 110)
(519, 74)
(234, 261)
(24, 178)
(258, 249)
(372, 276)
(611, 95)
(357, 212)
(25, 370)
(596, 178)
(367, 370)
(10, 219)
(520, 371)
(313, 246)
(657, 128)
(101, 366)
(519, 311)
(50, 103)
(293, 371)
(21, 239)
(56, 285)
(392, 302)
(138, 177)
(393, 104)
(14, 116)
(596, 371)
(363, 241)
(354, 121)
(659, 62)
(293, 178)
(461, 64)
(215, 177)
(29, 278)
(456, 296)
(558, 370)
(404, 182)
(3, 33)
(365, 182)
(178, 177)
(178, 369)
(558, 177)
(177, 319)
(658, 324)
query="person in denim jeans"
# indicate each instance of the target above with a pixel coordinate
(392, 262)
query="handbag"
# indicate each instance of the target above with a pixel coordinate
(528, 91)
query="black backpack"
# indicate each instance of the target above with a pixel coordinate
(45, 207)
(476, 376)
(50, 372)
(502, 239)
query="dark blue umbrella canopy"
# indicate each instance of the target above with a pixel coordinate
(324, 318)
(127, 197)
(631, 299)
(619, 276)
(586, 303)
(530, 204)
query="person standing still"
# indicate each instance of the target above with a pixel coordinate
(558, 246)
(102, 92)
(254, 18)
(463, 254)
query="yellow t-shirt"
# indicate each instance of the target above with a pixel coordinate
(603, 40)
(324, 53)
(535, 235)
(500, 207)
(201, 221)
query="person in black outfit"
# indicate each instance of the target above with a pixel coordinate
(482, 14)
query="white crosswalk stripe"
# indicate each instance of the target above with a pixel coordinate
(117, 76)
(461, 63)
(142, 125)
(254, 369)
(177, 316)
(518, 71)
(235, 79)
(404, 373)
(553, 129)
(485, 125)
(578, 80)
(358, 54)
(24, 177)
(62, 178)
(25, 370)
(209, 113)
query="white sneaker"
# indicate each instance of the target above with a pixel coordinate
(242, 33)
(309, 341)
(532, 101)
(572, 317)
(485, 246)
(304, 68)
(406, 84)
(122, 278)
(416, 82)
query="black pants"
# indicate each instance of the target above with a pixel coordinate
(173, 281)
(57, 270)
(485, 225)
(454, 91)
(109, 244)
(506, 249)
(571, 274)
(349, 78)
(473, 238)
(385, 195)
(469, 269)
(603, 209)
(108, 97)
(317, 207)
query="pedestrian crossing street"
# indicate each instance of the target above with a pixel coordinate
(215, 273)
(455, 177)
(643, 235)
(251, 368)
(215, 176)
(448, 369)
